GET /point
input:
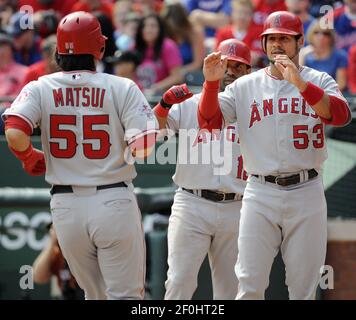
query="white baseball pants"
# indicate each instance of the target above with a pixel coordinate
(196, 227)
(291, 218)
(101, 237)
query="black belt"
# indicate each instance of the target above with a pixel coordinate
(290, 180)
(215, 196)
(69, 189)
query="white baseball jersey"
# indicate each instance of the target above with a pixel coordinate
(205, 161)
(279, 132)
(87, 119)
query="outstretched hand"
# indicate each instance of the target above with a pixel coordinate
(214, 67)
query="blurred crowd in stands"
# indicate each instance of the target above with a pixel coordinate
(159, 43)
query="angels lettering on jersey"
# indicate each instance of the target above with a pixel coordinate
(267, 107)
(219, 148)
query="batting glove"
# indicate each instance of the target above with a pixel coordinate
(175, 94)
(33, 160)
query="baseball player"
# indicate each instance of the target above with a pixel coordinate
(87, 120)
(281, 112)
(206, 209)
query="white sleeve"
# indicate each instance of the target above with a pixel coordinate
(330, 87)
(227, 103)
(173, 119)
(27, 105)
(137, 116)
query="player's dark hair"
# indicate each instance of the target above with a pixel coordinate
(73, 62)
(141, 44)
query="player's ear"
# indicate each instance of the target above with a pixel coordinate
(56, 56)
(300, 42)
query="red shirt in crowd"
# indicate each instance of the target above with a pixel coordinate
(251, 38)
(11, 79)
(63, 7)
(142, 8)
(352, 70)
(35, 71)
(105, 7)
(264, 8)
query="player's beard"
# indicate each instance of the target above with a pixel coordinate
(226, 81)
(272, 61)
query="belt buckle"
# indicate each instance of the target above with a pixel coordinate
(238, 197)
(278, 178)
(223, 193)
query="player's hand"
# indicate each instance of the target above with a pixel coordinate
(177, 94)
(289, 71)
(35, 164)
(214, 67)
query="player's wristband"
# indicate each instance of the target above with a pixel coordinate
(312, 94)
(211, 85)
(160, 111)
(165, 105)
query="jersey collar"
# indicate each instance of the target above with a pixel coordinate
(273, 77)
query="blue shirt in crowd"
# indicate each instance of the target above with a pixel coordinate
(306, 26)
(346, 31)
(209, 6)
(337, 59)
(186, 52)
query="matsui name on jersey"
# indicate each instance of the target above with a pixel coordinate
(79, 97)
(284, 105)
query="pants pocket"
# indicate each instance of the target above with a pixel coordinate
(117, 203)
(61, 208)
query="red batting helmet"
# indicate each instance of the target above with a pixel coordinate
(235, 50)
(283, 22)
(80, 33)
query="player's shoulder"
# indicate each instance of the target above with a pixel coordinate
(85, 76)
(124, 84)
(111, 78)
(313, 75)
(114, 78)
(32, 86)
(248, 79)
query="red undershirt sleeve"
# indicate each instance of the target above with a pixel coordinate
(209, 113)
(15, 122)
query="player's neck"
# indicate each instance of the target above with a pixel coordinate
(274, 72)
